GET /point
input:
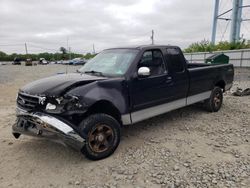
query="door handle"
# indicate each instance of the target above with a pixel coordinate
(168, 79)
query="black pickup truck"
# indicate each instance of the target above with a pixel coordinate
(119, 86)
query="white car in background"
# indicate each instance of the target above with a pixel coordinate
(43, 61)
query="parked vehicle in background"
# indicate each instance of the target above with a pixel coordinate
(65, 62)
(60, 62)
(79, 62)
(28, 62)
(71, 62)
(17, 61)
(43, 61)
(119, 86)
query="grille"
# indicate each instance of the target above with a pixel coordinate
(27, 102)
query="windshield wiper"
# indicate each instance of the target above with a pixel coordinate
(94, 72)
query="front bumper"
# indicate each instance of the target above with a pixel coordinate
(43, 125)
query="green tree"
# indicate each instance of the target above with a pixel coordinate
(89, 56)
(63, 50)
(3, 56)
(206, 46)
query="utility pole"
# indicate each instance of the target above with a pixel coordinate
(66, 53)
(93, 48)
(26, 49)
(216, 11)
(68, 48)
(69, 53)
(152, 37)
(67, 42)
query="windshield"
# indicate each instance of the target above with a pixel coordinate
(110, 62)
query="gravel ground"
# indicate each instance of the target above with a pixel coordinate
(184, 148)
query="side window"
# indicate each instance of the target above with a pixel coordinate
(153, 59)
(174, 59)
(147, 58)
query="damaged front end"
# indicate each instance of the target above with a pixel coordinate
(41, 117)
(43, 125)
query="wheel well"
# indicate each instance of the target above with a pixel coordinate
(221, 84)
(105, 107)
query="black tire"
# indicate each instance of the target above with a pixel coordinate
(214, 103)
(102, 136)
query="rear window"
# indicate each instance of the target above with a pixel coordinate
(174, 59)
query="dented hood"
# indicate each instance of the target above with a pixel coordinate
(57, 85)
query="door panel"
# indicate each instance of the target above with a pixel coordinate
(148, 92)
(177, 67)
(152, 90)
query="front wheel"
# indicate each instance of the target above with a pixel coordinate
(214, 103)
(102, 136)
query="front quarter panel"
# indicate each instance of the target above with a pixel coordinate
(113, 90)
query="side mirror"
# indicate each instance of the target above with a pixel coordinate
(143, 72)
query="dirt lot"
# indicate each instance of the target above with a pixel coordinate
(184, 148)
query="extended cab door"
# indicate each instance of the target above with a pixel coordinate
(154, 95)
(177, 68)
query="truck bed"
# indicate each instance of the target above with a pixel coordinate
(203, 76)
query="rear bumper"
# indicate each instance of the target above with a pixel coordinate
(46, 126)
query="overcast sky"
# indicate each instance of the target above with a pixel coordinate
(45, 25)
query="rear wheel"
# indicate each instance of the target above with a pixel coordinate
(214, 103)
(102, 136)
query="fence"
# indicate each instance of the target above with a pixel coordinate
(239, 58)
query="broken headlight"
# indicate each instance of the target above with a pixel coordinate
(50, 106)
(62, 104)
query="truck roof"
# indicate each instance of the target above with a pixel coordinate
(144, 47)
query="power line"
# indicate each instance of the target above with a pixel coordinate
(222, 7)
(222, 37)
(246, 27)
(40, 47)
(11, 44)
(47, 42)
